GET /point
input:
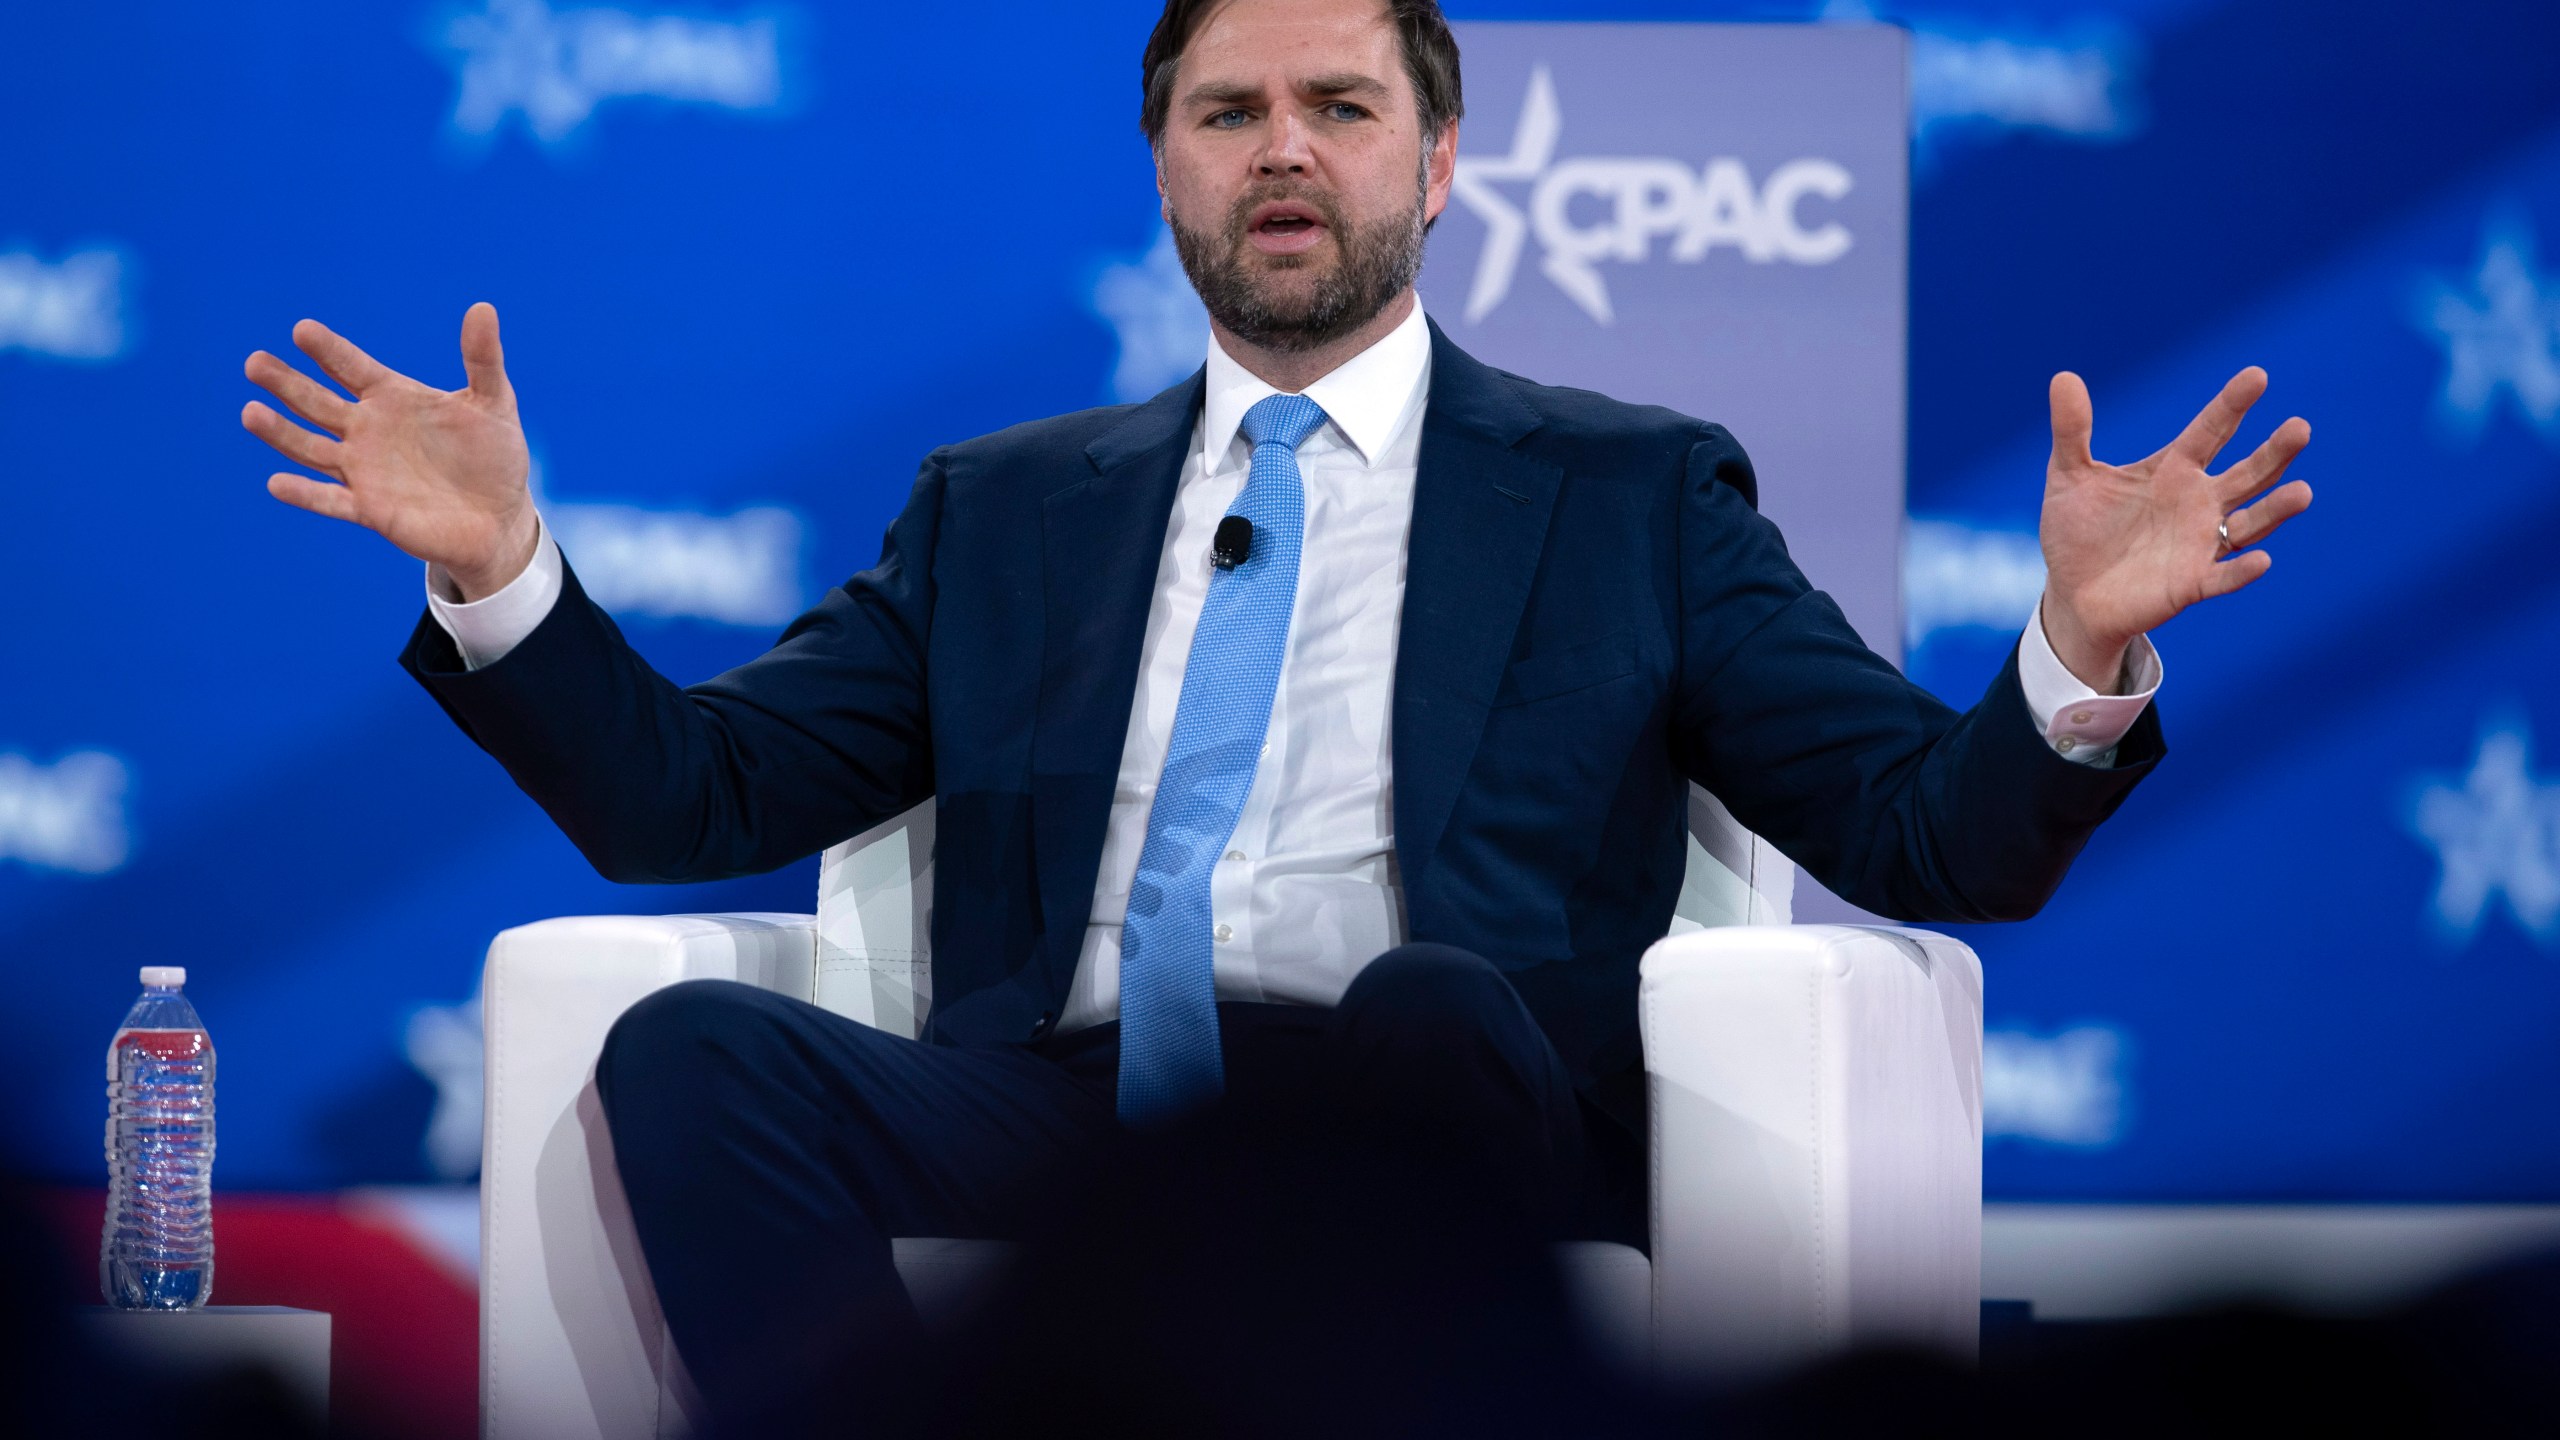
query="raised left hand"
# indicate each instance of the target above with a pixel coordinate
(2127, 547)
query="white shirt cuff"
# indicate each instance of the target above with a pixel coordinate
(484, 630)
(2080, 724)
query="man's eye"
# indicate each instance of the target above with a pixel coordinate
(1227, 119)
(1345, 110)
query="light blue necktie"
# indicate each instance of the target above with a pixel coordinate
(1169, 1061)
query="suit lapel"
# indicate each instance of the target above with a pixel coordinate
(1101, 540)
(1480, 511)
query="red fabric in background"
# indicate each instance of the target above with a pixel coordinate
(404, 1332)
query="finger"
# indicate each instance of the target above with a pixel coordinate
(2072, 419)
(309, 398)
(317, 496)
(482, 357)
(2214, 425)
(2266, 464)
(2249, 527)
(346, 364)
(294, 443)
(2241, 569)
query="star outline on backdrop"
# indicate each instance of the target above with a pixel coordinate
(2499, 329)
(1506, 226)
(2495, 831)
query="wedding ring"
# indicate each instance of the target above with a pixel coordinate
(2223, 529)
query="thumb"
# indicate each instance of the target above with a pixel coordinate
(2071, 418)
(482, 358)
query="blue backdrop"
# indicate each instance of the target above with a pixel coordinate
(754, 262)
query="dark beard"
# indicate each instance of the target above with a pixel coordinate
(1376, 264)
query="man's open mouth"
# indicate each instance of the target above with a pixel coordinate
(1285, 227)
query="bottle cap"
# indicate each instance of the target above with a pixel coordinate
(164, 977)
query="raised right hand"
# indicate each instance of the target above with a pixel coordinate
(439, 473)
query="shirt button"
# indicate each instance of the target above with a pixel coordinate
(2079, 717)
(1235, 854)
(1226, 933)
(2066, 745)
(1266, 749)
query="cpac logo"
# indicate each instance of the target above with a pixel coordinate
(1972, 82)
(738, 569)
(1953, 575)
(2065, 1089)
(1642, 200)
(71, 310)
(2002, 82)
(65, 816)
(742, 568)
(556, 66)
(2496, 834)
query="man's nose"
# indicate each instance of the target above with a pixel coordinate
(1285, 149)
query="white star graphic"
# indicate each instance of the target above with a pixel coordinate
(69, 815)
(2502, 334)
(2496, 833)
(1533, 144)
(1151, 306)
(446, 1045)
(515, 57)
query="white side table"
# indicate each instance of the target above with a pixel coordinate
(291, 1344)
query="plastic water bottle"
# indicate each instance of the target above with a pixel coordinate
(157, 1252)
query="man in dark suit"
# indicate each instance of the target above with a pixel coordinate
(1325, 722)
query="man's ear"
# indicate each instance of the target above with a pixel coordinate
(1444, 170)
(1164, 201)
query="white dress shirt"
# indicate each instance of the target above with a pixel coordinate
(1307, 892)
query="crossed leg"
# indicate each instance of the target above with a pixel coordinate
(771, 1150)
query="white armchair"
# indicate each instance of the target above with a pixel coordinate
(1816, 1148)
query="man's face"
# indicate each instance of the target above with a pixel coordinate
(1292, 168)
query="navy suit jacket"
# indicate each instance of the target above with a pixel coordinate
(1595, 615)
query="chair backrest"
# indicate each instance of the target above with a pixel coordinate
(1735, 877)
(875, 907)
(875, 924)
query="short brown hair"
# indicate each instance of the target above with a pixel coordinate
(1430, 62)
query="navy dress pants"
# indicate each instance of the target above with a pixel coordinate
(771, 1150)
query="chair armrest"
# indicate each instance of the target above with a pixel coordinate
(1816, 1104)
(570, 1339)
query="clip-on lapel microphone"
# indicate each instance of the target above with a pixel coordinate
(1233, 544)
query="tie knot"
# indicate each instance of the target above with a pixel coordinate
(1282, 420)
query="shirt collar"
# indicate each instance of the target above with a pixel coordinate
(1368, 398)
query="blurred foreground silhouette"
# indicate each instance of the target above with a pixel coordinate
(1302, 1272)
